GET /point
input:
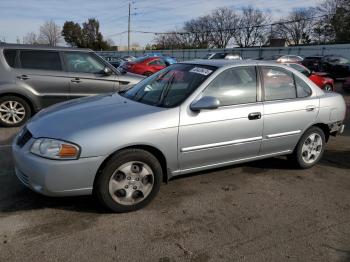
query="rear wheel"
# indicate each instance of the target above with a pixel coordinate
(14, 111)
(310, 148)
(328, 87)
(148, 74)
(129, 181)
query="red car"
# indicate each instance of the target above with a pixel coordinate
(319, 79)
(145, 65)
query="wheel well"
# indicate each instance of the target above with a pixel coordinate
(154, 151)
(325, 130)
(30, 103)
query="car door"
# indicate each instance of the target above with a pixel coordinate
(86, 74)
(226, 134)
(41, 72)
(289, 109)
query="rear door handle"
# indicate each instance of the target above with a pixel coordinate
(254, 116)
(310, 108)
(23, 77)
(76, 80)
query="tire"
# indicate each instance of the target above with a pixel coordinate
(328, 87)
(148, 74)
(14, 111)
(305, 157)
(126, 183)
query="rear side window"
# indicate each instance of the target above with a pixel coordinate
(234, 86)
(303, 90)
(10, 56)
(44, 60)
(158, 62)
(278, 83)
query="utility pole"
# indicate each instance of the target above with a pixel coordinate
(129, 27)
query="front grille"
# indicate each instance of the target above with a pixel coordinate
(23, 138)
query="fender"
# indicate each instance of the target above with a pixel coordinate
(28, 93)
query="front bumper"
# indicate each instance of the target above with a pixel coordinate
(54, 177)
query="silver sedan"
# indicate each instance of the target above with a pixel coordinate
(189, 117)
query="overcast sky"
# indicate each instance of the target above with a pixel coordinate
(18, 17)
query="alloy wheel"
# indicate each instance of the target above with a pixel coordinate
(328, 88)
(311, 148)
(12, 112)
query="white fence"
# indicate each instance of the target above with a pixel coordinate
(188, 54)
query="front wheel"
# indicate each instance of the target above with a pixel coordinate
(129, 180)
(310, 148)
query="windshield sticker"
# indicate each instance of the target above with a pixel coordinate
(202, 71)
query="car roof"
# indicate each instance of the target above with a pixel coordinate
(228, 62)
(43, 47)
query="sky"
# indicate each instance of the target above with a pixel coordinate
(18, 17)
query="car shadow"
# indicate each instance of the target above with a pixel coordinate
(334, 158)
(16, 197)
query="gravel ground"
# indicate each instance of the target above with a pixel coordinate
(259, 211)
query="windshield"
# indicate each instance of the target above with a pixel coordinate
(171, 86)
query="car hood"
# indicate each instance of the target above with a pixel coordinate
(66, 120)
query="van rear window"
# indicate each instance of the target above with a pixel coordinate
(10, 56)
(39, 59)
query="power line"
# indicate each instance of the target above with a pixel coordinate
(230, 29)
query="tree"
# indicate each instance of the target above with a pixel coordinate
(171, 40)
(50, 33)
(92, 36)
(31, 39)
(337, 19)
(252, 29)
(297, 27)
(223, 24)
(199, 35)
(87, 36)
(72, 34)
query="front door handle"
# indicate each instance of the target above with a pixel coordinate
(254, 116)
(310, 108)
(76, 80)
(23, 77)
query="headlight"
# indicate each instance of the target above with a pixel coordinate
(55, 149)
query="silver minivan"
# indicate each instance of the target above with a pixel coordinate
(34, 77)
(189, 117)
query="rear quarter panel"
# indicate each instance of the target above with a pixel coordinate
(332, 108)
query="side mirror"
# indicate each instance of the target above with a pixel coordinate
(107, 71)
(206, 102)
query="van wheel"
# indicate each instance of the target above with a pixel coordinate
(14, 111)
(129, 181)
(310, 148)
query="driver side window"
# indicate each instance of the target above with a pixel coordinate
(234, 86)
(83, 63)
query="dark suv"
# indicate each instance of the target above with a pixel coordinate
(33, 77)
(336, 66)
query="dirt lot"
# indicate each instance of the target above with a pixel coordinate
(260, 211)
